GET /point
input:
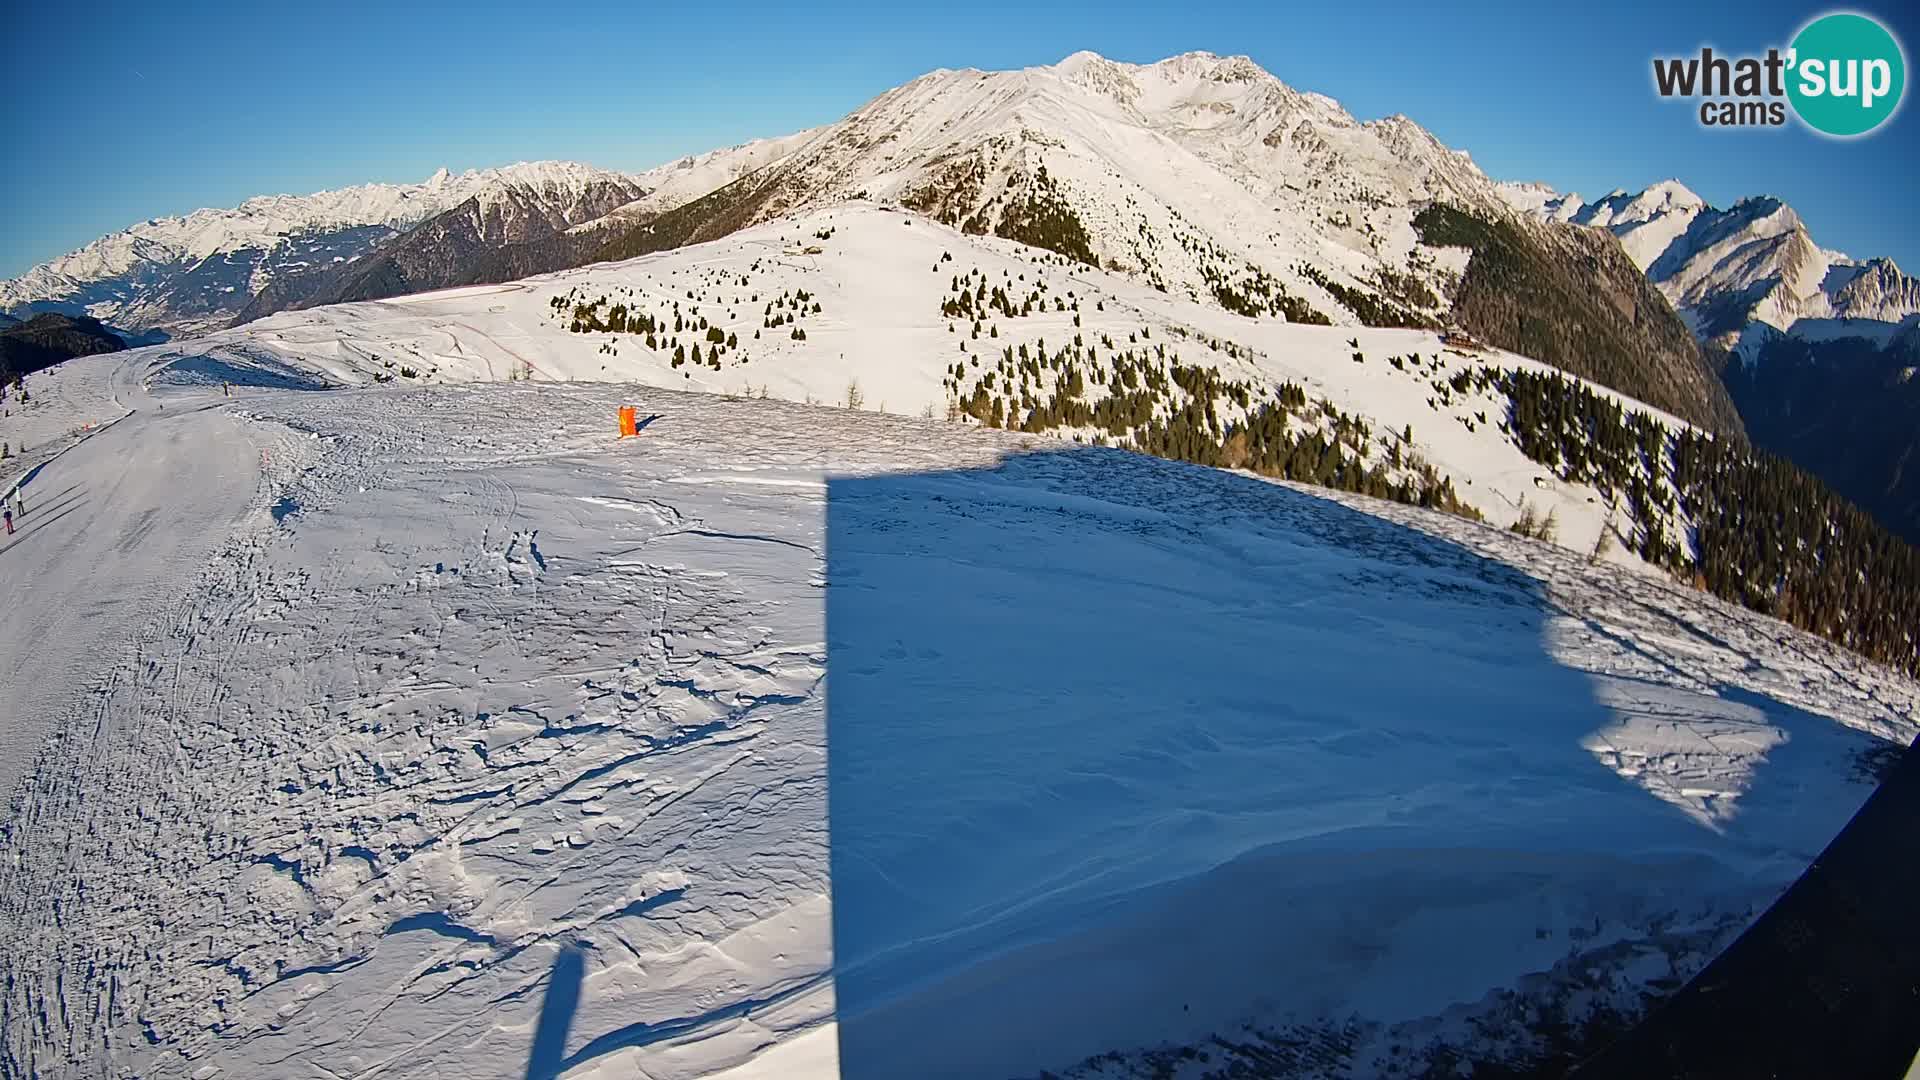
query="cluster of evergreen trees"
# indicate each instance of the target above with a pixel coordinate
(1764, 534)
(1370, 309)
(605, 315)
(1257, 294)
(1406, 289)
(1777, 540)
(1155, 403)
(973, 300)
(786, 309)
(953, 195)
(1846, 409)
(1043, 218)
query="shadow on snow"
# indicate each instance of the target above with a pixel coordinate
(1121, 751)
(548, 1056)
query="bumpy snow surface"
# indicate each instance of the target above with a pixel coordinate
(436, 732)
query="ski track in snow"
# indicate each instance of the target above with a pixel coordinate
(473, 710)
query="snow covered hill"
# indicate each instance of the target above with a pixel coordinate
(436, 731)
(1739, 275)
(891, 311)
(870, 713)
(866, 300)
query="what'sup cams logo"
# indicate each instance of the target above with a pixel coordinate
(1844, 75)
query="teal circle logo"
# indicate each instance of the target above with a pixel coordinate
(1848, 74)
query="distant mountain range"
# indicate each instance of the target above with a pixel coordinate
(187, 275)
(1742, 275)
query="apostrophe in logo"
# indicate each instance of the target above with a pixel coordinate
(1848, 74)
(1844, 75)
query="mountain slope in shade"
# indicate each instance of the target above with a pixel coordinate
(518, 230)
(1816, 348)
(49, 338)
(1846, 408)
(505, 232)
(1571, 297)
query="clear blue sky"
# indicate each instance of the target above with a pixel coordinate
(118, 113)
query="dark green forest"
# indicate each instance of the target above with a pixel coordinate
(1846, 409)
(1766, 535)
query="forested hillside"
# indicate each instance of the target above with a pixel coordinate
(1569, 296)
(1847, 409)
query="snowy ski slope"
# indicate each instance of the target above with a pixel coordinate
(449, 735)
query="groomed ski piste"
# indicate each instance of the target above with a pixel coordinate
(366, 729)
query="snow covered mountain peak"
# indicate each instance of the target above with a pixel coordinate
(1196, 65)
(1540, 200)
(1204, 174)
(1098, 74)
(1672, 194)
(1193, 89)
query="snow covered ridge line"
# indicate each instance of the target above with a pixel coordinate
(1167, 170)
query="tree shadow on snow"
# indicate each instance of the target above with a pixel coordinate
(1121, 751)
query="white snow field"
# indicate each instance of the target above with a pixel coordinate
(436, 732)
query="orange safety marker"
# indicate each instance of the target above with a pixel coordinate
(629, 421)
